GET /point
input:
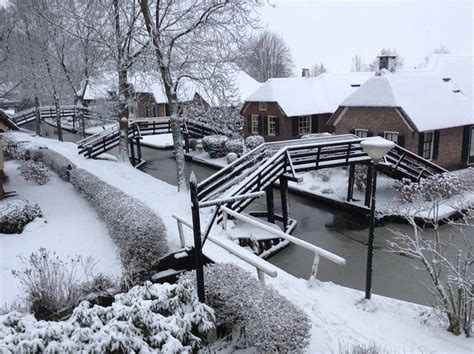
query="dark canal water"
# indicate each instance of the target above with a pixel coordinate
(327, 227)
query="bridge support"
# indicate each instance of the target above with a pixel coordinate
(350, 186)
(368, 185)
(270, 204)
(284, 201)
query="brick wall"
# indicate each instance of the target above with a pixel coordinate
(381, 119)
(319, 122)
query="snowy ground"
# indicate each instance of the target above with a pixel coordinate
(160, 141)
(99, 128)
(337, 314)
(69, 227)
(98, 125)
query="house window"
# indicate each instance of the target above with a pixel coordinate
(254, 124)
(271, 125)
(471, 146)
(262, 106)
(362, 133)
(304, 126)
(392, 136)
(428, 145)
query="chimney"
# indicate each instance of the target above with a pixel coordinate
(387, 62)
(305, 72)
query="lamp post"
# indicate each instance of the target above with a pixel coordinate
(376, 148)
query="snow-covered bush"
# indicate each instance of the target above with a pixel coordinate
(193, 144)
(16, 213)
(231, 157)
(433, 188)
(360, 177)
(139, 233)
(234, 146)
(150, 318)
(214, 145)
(53, 160)
(268, 321)
(253, 141)
(34, 171)
(52, 284)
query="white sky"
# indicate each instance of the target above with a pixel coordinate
(333, 31)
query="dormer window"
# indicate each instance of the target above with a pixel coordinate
(262, 106)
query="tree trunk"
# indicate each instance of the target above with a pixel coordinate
(123, 116)
(178, 144)
(38, 115)
(58, 119)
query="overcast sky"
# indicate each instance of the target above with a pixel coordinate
(333, 31)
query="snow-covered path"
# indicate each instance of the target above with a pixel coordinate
(69, 227)
(337, 315)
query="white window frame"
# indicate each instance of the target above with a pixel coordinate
(431, 147)
(271, 125)
(306, 128)
(393, 133)
(366, 131)
(262, 106)
(254, 123)
(471, 146)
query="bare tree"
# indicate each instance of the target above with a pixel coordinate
(317, 69)
(439, 50)
(358, 64)
(267, 56)
(191, 42)
(447, 259)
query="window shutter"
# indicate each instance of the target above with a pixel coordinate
(265, 125)
(401, 140)
(421, 140)
(294, 125)
(352, 131)
(277, 126)
(465, 143)
(249, 124)
(369, 133)
(435, 144)
(260, 125)
(314, 124)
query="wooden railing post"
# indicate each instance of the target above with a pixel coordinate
(368, 185)
(270, 204)
(350, 185)
(181, 234)
(314, 268)
(224, 221)
(284, 201)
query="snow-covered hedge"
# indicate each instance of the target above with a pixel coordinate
(139, 233)
(16, 213)
(150, 318)
(55, 161)
(214, 145)
(231, 157)
(253, 141)
(268, 321)
(234, 146)
(34, 171)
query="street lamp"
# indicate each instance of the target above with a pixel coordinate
(376, 148)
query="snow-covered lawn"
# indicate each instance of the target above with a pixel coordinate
(160, 141)
(99, 128)
(337, 314)
(69, 227)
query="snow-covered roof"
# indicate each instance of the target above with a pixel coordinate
(436, 97)
(99, 87)
(312, 95)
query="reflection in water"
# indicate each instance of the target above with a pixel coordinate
(337, 231)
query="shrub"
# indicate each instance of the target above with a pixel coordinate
(139, 233)
(54, 161)
(34, 171)
(360, 177)
(150, 318)
(371, 348)
(231, 157)
(193, 144)
(253, 141)
(269, 322)
(214, 145)
(51, 283)
(15, 214)
(234, 146)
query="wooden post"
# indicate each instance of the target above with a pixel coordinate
(284, 201)
(370, 248)
(350, 186)
(270, 204)
(132, 153)
(181, 234)
(314, 269)
(186, 142)
(197, 237)
(368, 185)
(139, 149)
(224, 221)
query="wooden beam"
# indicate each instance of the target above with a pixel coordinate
(350, 186)
(270, 204)
(284, 200)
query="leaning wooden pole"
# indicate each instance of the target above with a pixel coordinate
(284, 201)
(197, 237)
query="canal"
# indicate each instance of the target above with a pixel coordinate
(327, 227)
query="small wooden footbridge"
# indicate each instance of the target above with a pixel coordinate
(49, 112)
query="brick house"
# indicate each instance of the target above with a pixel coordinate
(288, 108)
(429, 111)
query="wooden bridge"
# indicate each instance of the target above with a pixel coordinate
(282, 161)
(49, 112)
